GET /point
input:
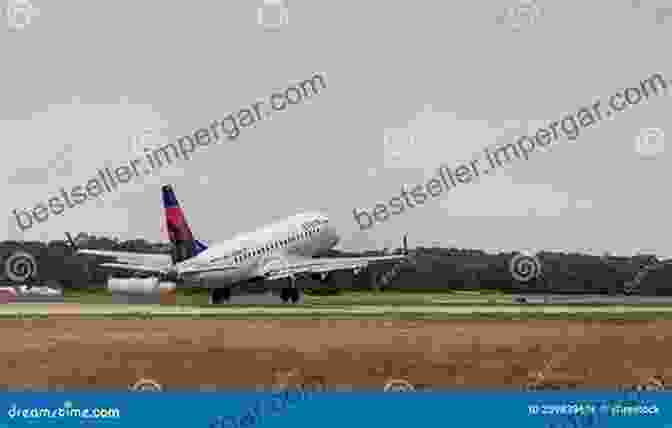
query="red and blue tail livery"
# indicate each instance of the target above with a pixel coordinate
(184, 244)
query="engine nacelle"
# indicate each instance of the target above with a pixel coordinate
(140, 286)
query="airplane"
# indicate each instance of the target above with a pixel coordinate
(284, 250)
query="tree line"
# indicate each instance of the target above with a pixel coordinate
(428, 268)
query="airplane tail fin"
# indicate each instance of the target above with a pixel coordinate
(184, 244)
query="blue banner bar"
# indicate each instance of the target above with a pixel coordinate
(294, 408)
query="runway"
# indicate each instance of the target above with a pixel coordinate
(561, 299)
(596, 299)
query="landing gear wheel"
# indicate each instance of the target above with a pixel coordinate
(219, 296)
(295, 294)
(631, 289)
(285, 294)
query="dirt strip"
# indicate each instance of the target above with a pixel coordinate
(348, 354)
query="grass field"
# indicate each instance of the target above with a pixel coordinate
(351, 305)
(41, 311)
(355, 298)
(350, 298)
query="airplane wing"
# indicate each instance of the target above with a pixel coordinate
(132, 267)
(208, 269)
(155, 260)
(135, 267)
(325, 265)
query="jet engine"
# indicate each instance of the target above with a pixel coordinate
(140, 286)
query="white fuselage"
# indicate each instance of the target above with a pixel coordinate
(243, 257)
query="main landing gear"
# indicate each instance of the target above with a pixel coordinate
(220, 296)
(290, 293)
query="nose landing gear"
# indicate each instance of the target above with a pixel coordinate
(219, 296)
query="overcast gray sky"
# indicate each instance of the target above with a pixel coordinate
(452, 77)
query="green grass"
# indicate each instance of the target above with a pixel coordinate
(104, 297)
(360, 298)
(347, 298)
(461, 298)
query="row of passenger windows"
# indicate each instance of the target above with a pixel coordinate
(275, 245)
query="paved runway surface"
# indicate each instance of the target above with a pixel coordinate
(562, 299)
(597, 299)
